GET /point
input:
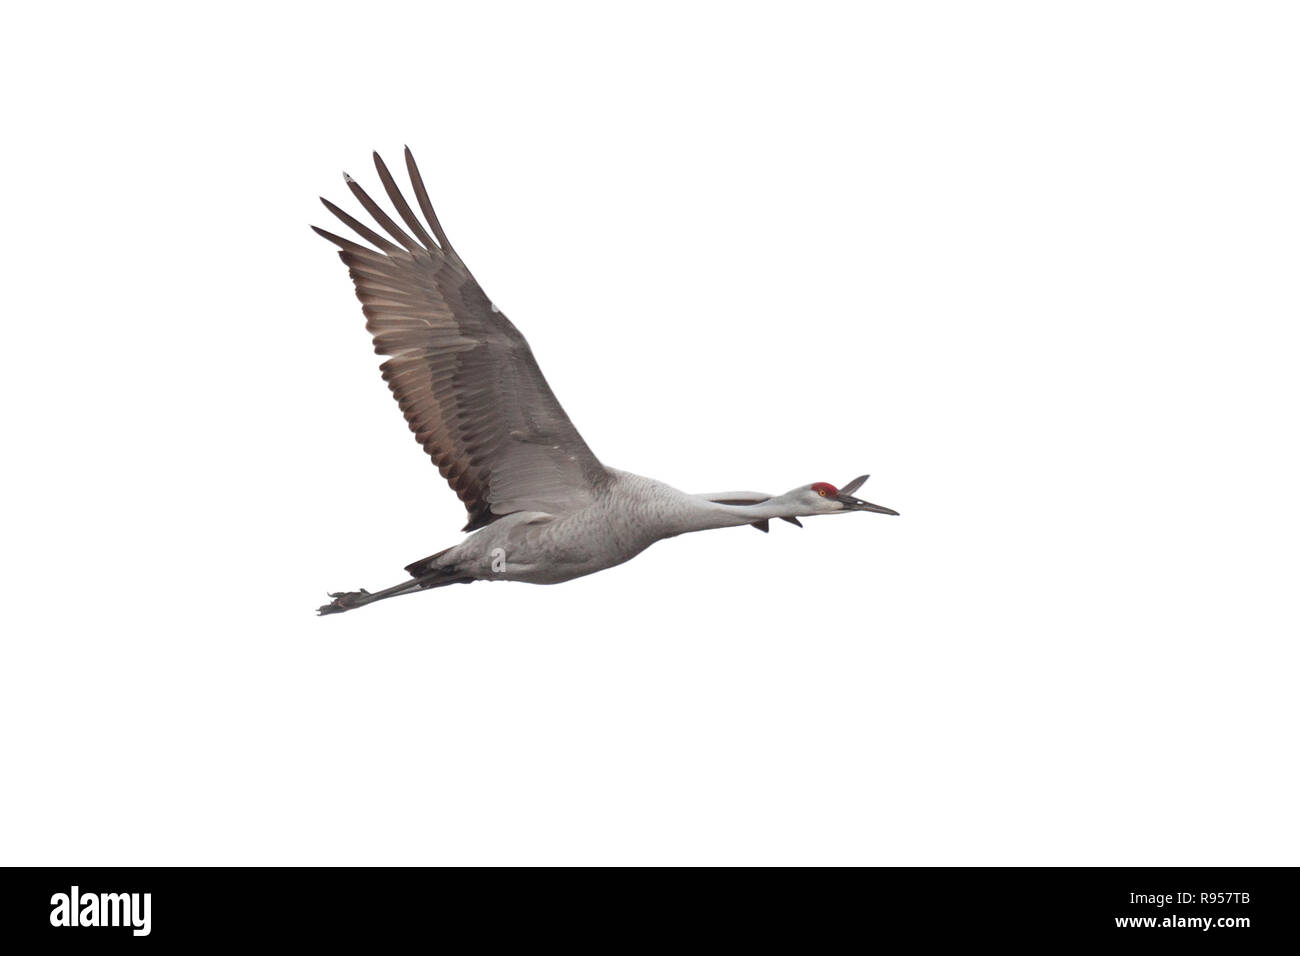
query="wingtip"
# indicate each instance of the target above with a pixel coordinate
(347, 178)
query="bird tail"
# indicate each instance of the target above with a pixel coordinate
(419, 569)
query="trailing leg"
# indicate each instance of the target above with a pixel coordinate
(347, 600)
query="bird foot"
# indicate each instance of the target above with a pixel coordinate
(343, 601)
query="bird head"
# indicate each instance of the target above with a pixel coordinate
(822, 498)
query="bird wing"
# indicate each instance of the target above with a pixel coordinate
(735, 497)
(463, 375)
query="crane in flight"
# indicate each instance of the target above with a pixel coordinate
(543, 508)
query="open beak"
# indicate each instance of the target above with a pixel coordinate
(845, 497)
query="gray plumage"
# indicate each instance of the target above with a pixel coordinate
(543, 508)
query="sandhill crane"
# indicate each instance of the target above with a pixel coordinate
(543, 508)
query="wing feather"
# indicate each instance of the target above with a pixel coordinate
(399, 203)
(426, 207)
(463, 375)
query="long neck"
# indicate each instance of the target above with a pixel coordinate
(652, 510)
(711, 514)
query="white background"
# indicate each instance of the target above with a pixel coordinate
(1033, 266)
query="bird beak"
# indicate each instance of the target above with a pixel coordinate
(857, 504)
(850, 503)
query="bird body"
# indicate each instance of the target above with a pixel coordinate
(543, 509)
(629, 513)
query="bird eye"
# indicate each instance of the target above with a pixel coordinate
(822, 492)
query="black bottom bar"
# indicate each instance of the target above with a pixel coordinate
(1223, 907)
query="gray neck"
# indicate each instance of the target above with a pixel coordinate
(711, 514)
